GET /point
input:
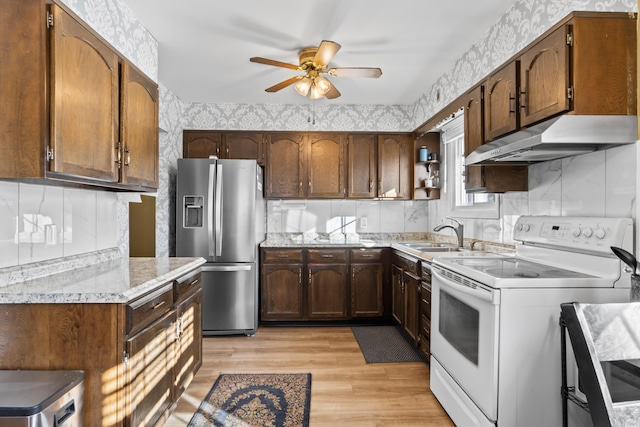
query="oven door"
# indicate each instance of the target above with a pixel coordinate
(464, 336)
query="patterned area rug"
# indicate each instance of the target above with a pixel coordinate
(385, 344)
(256, 400)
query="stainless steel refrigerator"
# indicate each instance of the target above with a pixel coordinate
(221, 217)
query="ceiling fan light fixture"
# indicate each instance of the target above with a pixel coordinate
(303, 86)
(322, 84)
(316, 93)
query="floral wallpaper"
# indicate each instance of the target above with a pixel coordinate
(382, 118)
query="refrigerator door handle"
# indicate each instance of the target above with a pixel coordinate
(210, 204)
(219, 211)
(226, 268)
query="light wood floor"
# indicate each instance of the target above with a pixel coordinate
(345, 390)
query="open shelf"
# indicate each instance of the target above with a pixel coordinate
(421, 170)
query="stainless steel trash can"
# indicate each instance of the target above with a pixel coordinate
(41, 398)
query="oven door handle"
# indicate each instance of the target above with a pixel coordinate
(476, 292)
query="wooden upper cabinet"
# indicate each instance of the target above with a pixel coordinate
(362, 168)
(326, 165)
(201, 144)
(500, 102)
(84, 135)
(286, 162)
(394, 173)
(244, 145)
(489, 179)
(545, 79)
(73, 110)
(139, 128)
(474, 136)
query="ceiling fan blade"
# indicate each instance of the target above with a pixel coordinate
(326, 51)
(283, 84)
(274, 63)
(356, 72)
(332, 92)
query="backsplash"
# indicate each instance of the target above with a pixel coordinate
(42, 222)
(346, 216)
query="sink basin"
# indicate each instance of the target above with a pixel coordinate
(431, 247)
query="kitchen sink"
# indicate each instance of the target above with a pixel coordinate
(431, 247)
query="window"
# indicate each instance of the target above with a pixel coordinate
(461, 203)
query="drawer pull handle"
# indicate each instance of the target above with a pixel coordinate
(160, 304)
(327, 256)
(367, 256)
(283, 256)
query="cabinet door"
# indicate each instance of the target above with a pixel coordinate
(138, 128)
(327, 292)
(201, 144)
(281, 292)
(394, 173)
(285, 165)
(500, 102)
(362, 177)
(397, 295)
(189, 349)
(545, 78)
(149, 372)
(474, 136)
(411, 305)
(326, 162)
(366, 290)
(85, 102)
(244, 145)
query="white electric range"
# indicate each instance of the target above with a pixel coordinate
(495, 339)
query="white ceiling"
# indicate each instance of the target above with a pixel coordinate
(205, 45)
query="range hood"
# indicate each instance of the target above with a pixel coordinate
(562, 136)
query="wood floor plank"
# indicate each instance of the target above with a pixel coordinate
(345, 389)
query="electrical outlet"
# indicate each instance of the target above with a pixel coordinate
(363, 222)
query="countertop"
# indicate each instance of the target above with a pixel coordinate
(118, 280)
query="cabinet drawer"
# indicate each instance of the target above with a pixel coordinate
(327, 256)
(282, 255)
(143, 311)
(366, 255)
(185, 285)
(410, 264)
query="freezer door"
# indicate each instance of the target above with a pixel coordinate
(229, 299)
(236, 226)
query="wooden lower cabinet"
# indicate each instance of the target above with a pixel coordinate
(397, 305)
(406, 294)
(327, 292)
(411, 305)
(281, 292)
(132, 354)
(149, 374)
(367, 282)
(322, 284)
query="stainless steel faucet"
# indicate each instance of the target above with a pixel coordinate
(458, 228)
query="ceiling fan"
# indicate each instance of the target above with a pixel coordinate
(314, 62)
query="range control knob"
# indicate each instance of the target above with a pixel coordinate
(526, 227)
(576, 232)
(518, 227)
(600, 233)
(587, 232)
